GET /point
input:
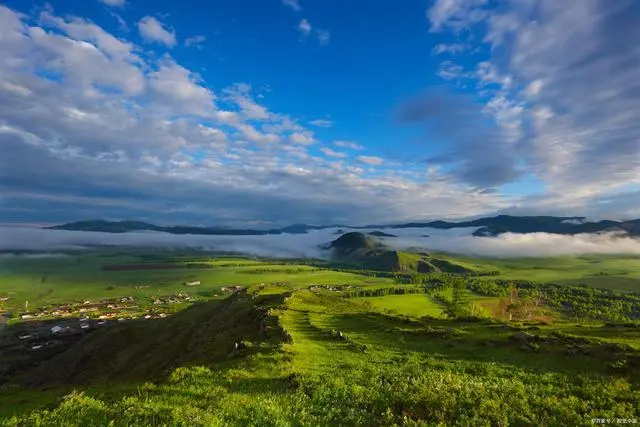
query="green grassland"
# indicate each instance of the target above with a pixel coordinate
(312, 355)
(618, 272)
(60, 279)
(75, 278)
(414, 305)
(343, 364)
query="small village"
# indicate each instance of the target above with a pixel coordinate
(122, 308)
(56, 327)
(336, 288)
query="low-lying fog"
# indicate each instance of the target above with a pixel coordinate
(306, 245)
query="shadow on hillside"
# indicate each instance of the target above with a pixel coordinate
(147, 350)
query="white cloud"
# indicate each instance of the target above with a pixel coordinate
(81, 29)
(449, 71)
(348, 144)
(533, 88)
(549, 85)
(183, 88)
(331, 153)
(487, 73)
(122, 24)
(456, 14)
(448, 48)
(370, 160)
(499, 26)
(282, 123)
(253, 135)
(94, 125)
(195, 41)
(153, 30)
(240, 94)
(87, 55)
(114, 3)
(116, 132)
(226, 117)
(304, 138)
(305, 28)
(321, 123)
(323, 37)
(293, 4)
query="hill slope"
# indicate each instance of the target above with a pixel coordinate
(147, 349)
(367, 252)
(354, 243)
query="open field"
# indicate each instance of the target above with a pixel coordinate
(51, 280)
(414, 305)
(81, 276)
(619, 272)
(313, 351)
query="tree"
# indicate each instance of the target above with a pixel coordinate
(517, 307)
(461, 299)
(507, 303)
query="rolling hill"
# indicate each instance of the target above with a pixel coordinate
(368, 252)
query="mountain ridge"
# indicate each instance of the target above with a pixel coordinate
(487, 226)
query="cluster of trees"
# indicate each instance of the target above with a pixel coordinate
(379, 292)
(487, 273)
(519, 300)
(280, 270)
(408, 277)
(199, 265)
(580, 303)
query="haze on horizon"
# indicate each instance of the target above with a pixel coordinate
(319, 112)
(456, 241)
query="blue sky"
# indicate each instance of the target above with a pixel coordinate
(280, 111)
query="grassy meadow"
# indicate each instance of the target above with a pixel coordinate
(311, 355)
(617, 272)
(68, 278)
(413, 305)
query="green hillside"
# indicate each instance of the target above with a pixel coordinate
(318, 347)
(203, 334)
(368, 252)
(337, 361)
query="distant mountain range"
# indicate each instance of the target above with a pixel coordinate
(494, 226)
(128, 226)
(491, 226)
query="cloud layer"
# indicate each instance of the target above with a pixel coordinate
(96, 125)
(556, 97)
(458, 241)
(153, 30)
